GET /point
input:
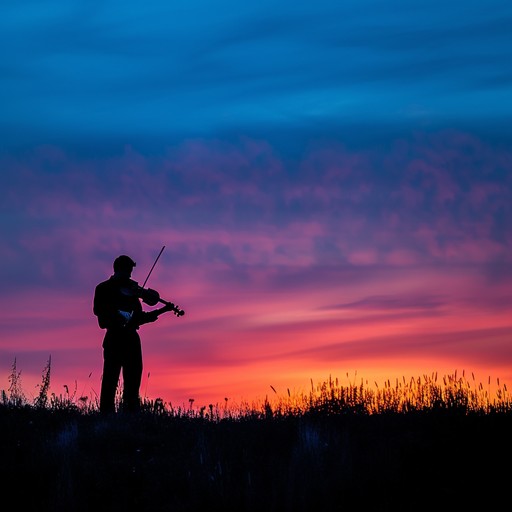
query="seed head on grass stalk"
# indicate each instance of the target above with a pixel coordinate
(42, 399)
(16, 396)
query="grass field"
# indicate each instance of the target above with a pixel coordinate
(424, 444)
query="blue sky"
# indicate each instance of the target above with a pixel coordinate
(116, 71)
(332, 182)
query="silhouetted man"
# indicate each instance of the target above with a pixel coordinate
(120, 312)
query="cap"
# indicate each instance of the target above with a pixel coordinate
(124, 262)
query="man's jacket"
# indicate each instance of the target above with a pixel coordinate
(117, 307)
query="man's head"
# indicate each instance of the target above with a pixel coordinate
(123, 266)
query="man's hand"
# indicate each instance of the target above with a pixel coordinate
(169, 306)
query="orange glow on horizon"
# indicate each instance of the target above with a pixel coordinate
(237, 349)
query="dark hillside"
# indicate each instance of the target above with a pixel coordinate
(63, 460)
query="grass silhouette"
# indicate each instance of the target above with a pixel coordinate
(453, 392)
(418, 444)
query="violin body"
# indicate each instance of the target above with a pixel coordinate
(150, 297)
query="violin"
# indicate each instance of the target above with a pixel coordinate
(150, 297)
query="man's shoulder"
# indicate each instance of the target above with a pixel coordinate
(108, 284)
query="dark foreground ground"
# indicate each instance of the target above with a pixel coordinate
(65, 461)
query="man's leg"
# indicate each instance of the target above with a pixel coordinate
(110, 378)
(132, 374)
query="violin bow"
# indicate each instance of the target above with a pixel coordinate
(151, 270)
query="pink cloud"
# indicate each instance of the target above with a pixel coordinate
(261, 252)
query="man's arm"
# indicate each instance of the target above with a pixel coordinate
(151, 316)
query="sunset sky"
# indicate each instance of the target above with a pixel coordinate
(332, 182)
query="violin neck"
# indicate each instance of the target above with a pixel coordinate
(177, 311)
